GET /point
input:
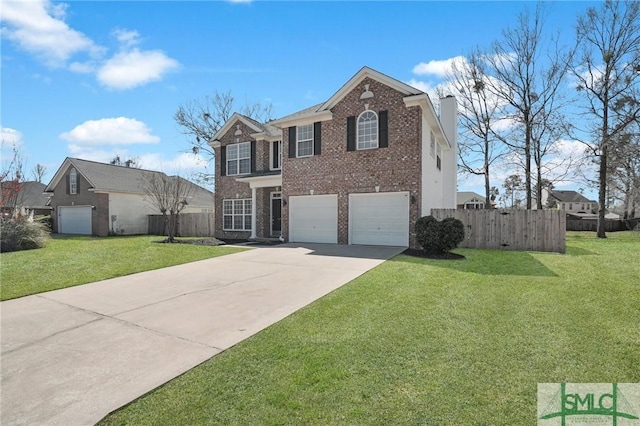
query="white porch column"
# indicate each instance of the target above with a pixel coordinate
(253, 212)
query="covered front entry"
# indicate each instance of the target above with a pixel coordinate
(74, 220)
(380, 219)
(266, 203)
(313, 219)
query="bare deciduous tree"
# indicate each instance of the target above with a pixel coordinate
(168, 194)
(130, 162)
(529, 69)
(38, 172)
(608, 75)
(11, 179)
(200, 120)
(478, 147)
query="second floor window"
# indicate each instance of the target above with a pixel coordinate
(368, 130)
(276, 155)
(73, 182)
(239, 158)
(305, 140)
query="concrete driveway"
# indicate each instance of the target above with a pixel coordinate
(72, 356)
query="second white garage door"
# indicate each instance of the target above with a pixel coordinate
(74, 220)
(313, 219)
(380, 219)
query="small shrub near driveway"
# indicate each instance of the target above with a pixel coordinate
(22, 234)
(439, 237)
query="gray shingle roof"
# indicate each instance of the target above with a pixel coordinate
(110, 178)
(569, 197)
(31, 194)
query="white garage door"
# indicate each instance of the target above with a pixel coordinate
(74, 220)
(313, 219)
(379, 219)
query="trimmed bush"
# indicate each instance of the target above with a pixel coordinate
(427, 232)
(451, 233)
(21, 234)
(439, 237)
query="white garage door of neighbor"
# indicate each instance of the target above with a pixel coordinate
(313, 219)
(379, 219)
(75, 220)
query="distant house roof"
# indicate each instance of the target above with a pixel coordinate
(569, 197)
(463, 197)
(30, 195)
(111, 178)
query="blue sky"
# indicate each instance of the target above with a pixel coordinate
(95, 79)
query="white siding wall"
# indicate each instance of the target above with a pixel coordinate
(432, 178)
(449, 121)
(131, 211)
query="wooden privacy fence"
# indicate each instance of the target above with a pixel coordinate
(189, 225)
(592, 225)
(534, 230)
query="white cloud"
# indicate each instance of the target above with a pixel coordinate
(10, 137)
(437, 68)
(425, 86)
(128, 38)
(127, 70)
(37, 26)
(183, 164)
(110, 131)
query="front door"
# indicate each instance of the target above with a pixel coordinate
(276, 213)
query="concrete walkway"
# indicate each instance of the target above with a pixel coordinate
(71, 356)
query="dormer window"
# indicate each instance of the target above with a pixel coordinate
(73, 182)
(367, 130)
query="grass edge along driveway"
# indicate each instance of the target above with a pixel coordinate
(68, 261)
(417, 341)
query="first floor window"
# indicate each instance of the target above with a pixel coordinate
(236, 215)
(305, 140)
(239, 158)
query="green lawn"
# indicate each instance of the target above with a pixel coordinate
(69, 261)
(430, 342)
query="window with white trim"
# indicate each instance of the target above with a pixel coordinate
(304, 141)
(432, 145)
(236, 215)
(73, 182)
(276, 155)
(367, 130)
(439, 158)
(239, 158)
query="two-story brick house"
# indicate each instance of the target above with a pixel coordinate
(360, 168)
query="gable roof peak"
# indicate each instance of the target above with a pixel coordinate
(357, 78)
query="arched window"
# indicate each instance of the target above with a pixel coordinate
(367, 130)
(73, 182)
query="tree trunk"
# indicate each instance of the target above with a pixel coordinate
(487, 187)
(527, 154)
(602, 192)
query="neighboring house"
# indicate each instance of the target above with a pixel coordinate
(29, 196)
(360, 168)
(570, 201)
(470, 201)
(92, 198)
